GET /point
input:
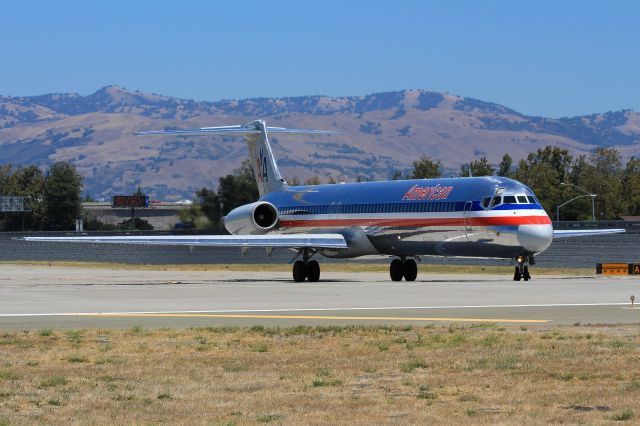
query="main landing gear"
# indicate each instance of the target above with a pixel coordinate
(406, 268)
(522, 271)
(306, 269)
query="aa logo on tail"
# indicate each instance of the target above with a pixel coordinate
(262, 167)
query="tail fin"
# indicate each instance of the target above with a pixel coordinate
(264, 165)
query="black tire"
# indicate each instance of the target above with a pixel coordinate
(410, 270)
(526, 274)
(299, 271)
(395, 270)
(313, 271)
(516, 274)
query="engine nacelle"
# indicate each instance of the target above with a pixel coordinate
(252, 219)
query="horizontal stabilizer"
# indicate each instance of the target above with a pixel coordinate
(333, 241)
(247, 129)
(567, 233)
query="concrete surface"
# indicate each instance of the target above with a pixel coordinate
(40, 296)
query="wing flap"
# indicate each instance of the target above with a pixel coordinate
(569, 233)
(334, 241)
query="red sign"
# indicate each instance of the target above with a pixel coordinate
(130, 201)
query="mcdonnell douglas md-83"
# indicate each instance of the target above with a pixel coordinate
(491, 217)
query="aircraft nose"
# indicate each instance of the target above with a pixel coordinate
(535, 238)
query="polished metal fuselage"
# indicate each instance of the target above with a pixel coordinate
(454, 226)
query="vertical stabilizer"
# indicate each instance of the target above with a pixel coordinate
(264, 164)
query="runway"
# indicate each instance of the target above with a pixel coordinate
(39, 296)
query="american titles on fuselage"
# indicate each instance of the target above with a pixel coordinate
(437, 192)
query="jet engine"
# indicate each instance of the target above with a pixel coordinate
(252, 219)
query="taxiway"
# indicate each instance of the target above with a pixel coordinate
(41, 296)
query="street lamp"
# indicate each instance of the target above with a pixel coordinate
(587, 194)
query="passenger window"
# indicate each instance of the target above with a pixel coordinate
(509, 199)
(522, 199)
(531, 199)
(496, 200)
(485, 202)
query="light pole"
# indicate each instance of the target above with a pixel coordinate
(587, 194)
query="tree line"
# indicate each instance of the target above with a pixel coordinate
(551, 172)
(53, 197)
(556, 177)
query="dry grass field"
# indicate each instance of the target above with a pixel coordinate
(321, 375)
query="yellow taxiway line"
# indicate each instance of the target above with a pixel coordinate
(312, 317)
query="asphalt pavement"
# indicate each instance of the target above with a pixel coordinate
(41, 296)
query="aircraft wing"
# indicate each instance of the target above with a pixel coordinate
(333, 241)
(568, 233)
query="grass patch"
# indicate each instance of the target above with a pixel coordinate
(268, 418)
(623, 416)
(164, 395)
(8, 375)
(74, 359)
(632, 386)
(424, 392)
(74, 336)
(318, 383)
(412, 365)
(45, 332)
(260, 347)
(53, 381)
(510, 362)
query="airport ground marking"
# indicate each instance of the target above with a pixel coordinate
(316, 317)
(334, 309)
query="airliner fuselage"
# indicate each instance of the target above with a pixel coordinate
(479, 216)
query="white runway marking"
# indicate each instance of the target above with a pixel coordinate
(366, 308)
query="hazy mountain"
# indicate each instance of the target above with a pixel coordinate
(381, 133)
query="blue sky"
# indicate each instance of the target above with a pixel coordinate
(553, 58)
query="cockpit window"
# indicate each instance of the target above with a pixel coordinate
(485, 202)
(509, 199)
(496, 201)
(532, 200)
(522, 199)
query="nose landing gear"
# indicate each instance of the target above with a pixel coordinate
(522, 271)
(406, 268)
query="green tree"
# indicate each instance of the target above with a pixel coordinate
(602, 174)
(27, 182)
(480, 167)
(543, 171)
(426, 168)
(238, 189)
(504, 169)
(62, 189)
(631, 185)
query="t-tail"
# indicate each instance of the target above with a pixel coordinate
(256, 133)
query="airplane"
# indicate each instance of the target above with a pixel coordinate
(486, 217)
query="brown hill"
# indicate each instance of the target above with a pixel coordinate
(381, 133)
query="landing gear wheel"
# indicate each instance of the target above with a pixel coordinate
(313, 271)
(395, 270)
(300, 271)
(516, 275)
(526, 274)
(410, 270)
